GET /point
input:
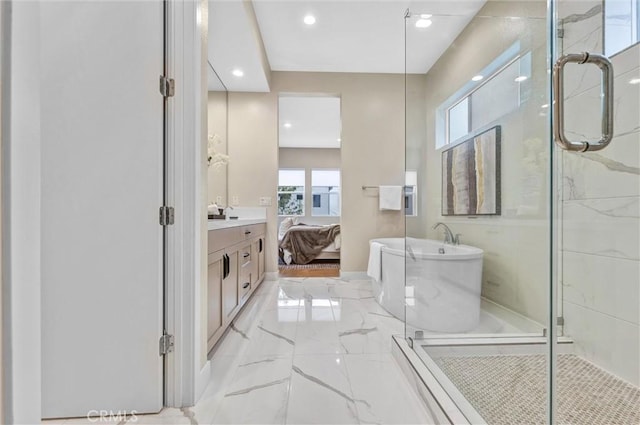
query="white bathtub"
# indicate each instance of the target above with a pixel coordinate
(442, 290)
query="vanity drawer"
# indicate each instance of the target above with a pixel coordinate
(223, 238)
(253, 230)
(244, 255)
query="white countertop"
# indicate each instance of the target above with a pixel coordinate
(225, 224)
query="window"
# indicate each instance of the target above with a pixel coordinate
(458, 119)
(291, 192)
(411, 193)
(504, 85)
(325, 192)
(621, 25)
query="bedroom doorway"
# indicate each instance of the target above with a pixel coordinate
(309, 185)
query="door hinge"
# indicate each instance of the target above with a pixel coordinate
(560, 32)
(166, 344)
(167, 216)
(167, 86)
(560, 321)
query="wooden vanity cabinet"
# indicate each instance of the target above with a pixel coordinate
(235, 269)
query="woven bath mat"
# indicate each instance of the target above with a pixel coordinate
(309, 266)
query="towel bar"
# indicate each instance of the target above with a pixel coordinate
(376, 187)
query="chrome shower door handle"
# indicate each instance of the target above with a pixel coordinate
(606, 105)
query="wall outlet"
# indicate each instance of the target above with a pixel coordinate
(235, 201)
(218, 200)
(265, 201)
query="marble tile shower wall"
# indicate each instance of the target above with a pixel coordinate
(600, 203)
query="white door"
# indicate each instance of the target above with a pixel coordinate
(102, 173)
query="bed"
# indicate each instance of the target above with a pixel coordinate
(302, 244)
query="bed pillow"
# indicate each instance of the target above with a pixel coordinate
(286, 224)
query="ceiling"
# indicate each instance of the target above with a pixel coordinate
(235, 43)
(309, 122)
(349, 36)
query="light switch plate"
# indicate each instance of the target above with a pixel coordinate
(218, 200)
(265, 201)
(235, 201)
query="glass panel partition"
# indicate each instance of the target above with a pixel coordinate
(477, 264)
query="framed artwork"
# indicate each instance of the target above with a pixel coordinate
(471, 176)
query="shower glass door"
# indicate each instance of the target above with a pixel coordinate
(478, 162)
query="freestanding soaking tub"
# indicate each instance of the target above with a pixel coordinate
(443, 283)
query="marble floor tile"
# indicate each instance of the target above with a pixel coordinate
(223, 369)
(273, 339)
(235, 341)
(318, 338)
(350, 292)
(378, 380)
(258, 393)
(364, 327)
(320, 392)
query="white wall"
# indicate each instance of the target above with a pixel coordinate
(372, 152)
(309, 159)
(21, 212)
(600, 205)
(515, 244)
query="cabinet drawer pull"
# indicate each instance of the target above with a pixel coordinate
(246, 285)
(246, 255)
(225, 266)
(247, 232)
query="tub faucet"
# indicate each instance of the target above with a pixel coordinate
(448, 234)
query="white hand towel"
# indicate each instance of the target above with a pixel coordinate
(390, 198)
(375, 261)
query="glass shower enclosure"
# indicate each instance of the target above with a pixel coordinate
(522, 269)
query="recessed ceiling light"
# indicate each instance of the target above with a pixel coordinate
(287, 125)
(546, 105)
(520, 78)
(309, 19)
(339, 140)
(238, 72)
(425, 16)
(634, 81)
(423, 23)
(477, 78)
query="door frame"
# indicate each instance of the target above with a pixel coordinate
(21, 212)
(186, 376)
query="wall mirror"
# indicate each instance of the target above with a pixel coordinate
(218, 139)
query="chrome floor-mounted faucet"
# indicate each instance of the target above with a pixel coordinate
(449, 237)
